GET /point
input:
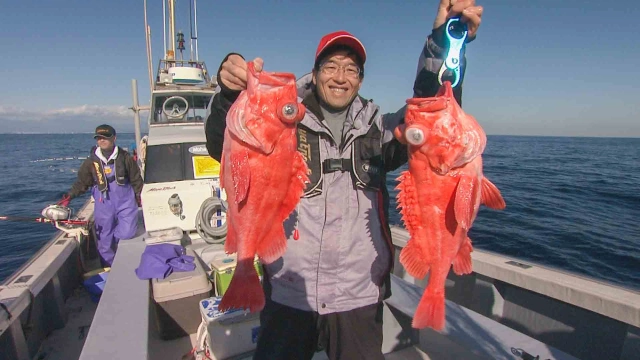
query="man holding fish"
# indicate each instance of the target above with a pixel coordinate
(326, 289)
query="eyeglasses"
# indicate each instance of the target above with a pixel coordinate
(331, 68)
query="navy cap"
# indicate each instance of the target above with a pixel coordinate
(105, 131)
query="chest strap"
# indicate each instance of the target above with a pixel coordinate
(333, 165)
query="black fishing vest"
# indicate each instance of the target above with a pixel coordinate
(97, 170)
(365, 165)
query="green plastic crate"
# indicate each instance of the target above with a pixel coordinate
(223, 269)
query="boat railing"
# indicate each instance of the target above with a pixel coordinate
(164, 80)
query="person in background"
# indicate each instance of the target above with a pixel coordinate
(115, 182)
(326, 291)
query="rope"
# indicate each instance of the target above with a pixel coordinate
(208, 212)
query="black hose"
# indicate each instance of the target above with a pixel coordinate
(208, 211)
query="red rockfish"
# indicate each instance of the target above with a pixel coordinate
(263, 176)
(440, 194)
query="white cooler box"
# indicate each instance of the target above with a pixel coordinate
(165, 205)
(176, 300)
(230, 333)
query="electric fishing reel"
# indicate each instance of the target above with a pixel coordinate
(57, 212)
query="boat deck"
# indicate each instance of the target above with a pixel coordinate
(124, 328)
(482, 310)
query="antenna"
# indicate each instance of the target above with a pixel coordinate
(164, 29)
(195, 20)
(190, 31)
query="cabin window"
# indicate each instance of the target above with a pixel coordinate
(168, 162)
(180, 108)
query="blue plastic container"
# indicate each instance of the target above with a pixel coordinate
(95, 285)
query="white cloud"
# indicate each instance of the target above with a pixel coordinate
(71, 119)
(92, 110)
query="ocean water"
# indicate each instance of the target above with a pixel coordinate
(573, 204)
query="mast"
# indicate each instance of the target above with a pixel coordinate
(147, 36)
(171, 53)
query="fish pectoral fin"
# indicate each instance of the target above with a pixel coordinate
(414, 259)
(462, 263)
(398, 133)
(491, 196)
(240, 173)
(272, 247)
(465, 203)
(299, 179)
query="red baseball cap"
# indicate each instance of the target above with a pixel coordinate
(342, 38)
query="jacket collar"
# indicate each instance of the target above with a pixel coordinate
(99, 155)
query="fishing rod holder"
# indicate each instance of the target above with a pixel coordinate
(73, 230)
(60, 216)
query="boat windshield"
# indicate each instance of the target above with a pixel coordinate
(180, 107)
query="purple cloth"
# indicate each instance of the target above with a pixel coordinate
(159, 261)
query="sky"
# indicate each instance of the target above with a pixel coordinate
(543, 67)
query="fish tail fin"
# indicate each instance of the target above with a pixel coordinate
(462, 263)
(273, 245)
(430, 312)
(491, 196)
(244, 291)
(414, 260)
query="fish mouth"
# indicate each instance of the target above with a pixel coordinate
(439, 167)
(443, 169)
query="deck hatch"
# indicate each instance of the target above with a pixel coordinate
(518, 264)
(23, 279)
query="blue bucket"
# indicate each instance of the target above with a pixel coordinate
(95, 285)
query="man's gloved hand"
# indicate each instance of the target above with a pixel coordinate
(64, 201)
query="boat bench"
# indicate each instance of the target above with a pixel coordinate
(120, 327)
(474, 334)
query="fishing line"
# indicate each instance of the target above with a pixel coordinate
(60, 159)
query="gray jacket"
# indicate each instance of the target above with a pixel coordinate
(343, 257)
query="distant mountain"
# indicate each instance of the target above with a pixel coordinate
(80, 119)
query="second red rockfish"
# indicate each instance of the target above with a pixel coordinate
(440, 194)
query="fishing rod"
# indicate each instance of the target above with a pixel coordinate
(43, 220)
(53, 214)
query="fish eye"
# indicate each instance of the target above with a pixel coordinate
(290, 111)
(414, 136)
